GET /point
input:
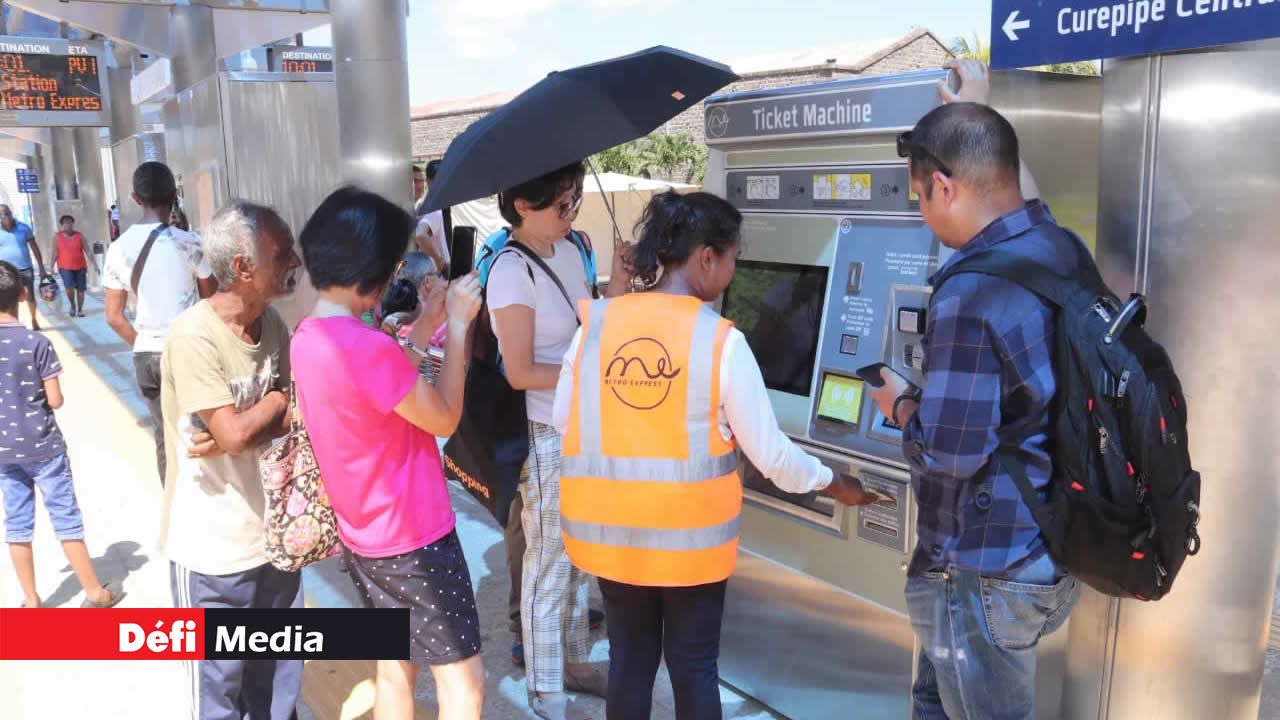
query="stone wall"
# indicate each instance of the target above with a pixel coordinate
(432, 134)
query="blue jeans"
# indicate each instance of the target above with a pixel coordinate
(978, 639)
(18, 482)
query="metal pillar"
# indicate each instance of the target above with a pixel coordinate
(192, 33)
(92, 220)
(43, 222)
(372, 75)
(64, 164)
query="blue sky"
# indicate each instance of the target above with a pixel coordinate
(461, 48)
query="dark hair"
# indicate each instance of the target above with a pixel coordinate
(154, 185)
(183, 223)
(416, 169)
(401, 296)
(976, 143)
(674, 226)
(433, 167)
(355, 239)
(540, 192)
(11, 285)
(65, 218)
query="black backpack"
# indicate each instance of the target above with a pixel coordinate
(1121, 510)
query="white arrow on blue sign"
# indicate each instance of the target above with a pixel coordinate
(1039, 32)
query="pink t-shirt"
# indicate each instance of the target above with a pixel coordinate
(382, 473)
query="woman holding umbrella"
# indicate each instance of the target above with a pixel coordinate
(533, 290)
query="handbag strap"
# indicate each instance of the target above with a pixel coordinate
(141, 262)
(295, 416)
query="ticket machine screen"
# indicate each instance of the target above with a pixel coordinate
(840, 399)
(778, 307)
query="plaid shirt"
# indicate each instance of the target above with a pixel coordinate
(988, 383)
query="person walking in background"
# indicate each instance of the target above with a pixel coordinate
(225, 375)
(165, 269)
(655, 396)
(17, 245)
(71, 253)
(33, 453)
(178, 219)
(373, 423)
(113, 219)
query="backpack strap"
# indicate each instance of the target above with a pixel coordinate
(1053, 288)
(141, 262)
(533, 256)
(583, 241)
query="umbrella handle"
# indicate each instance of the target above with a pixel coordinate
(604, 197)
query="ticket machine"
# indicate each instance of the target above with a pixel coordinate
(834, 277)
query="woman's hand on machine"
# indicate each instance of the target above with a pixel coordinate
(462, 303)
(975, 85)
(847, 490)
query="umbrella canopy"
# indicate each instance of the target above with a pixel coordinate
(570, 115)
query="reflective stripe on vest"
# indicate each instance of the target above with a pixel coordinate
(652, 538)
(648, 495)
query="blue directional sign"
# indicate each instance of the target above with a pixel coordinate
(28, 180)
(1038, 32)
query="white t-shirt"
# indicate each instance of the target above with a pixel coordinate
(168, 283)
(554, 319)
(431, 226)
(746, 415)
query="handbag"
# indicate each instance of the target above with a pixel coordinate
(301, 527)
(487, 451)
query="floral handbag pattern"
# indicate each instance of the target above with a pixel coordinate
(301, 526)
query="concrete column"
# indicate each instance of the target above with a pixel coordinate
(92, 220)
(64, 164)
(372, 75)
(124, 116)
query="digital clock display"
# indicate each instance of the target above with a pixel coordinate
(301, 59)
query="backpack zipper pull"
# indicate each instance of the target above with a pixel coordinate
(1124, 385)
(1104, 439)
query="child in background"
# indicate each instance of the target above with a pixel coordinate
(33, 454)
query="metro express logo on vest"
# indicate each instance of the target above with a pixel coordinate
(640, 373)
(198, 634)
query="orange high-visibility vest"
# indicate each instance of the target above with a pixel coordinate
(649, 489)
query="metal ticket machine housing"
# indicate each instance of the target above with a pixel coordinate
(834, 277)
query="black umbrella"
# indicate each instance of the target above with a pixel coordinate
(570, 115)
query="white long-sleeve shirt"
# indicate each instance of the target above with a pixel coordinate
(745, 415)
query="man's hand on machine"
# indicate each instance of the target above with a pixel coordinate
(847, 490)
(975, 85)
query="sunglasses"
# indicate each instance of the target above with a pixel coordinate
(569, 207)
(908, 147)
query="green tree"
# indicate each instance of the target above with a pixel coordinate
(673, 156)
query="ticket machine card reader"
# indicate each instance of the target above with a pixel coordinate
(875, 319)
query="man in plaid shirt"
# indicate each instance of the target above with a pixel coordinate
(981, 587)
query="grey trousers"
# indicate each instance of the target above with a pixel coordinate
(237, 689)
(146, 368)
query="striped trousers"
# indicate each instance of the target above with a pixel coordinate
(553, 596)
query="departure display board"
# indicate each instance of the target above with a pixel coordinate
(301, 59)
(48, 82)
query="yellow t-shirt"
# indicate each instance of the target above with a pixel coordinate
(213, 508)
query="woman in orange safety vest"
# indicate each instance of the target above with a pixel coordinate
(657, 394)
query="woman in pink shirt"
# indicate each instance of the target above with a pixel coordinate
(373, 425)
